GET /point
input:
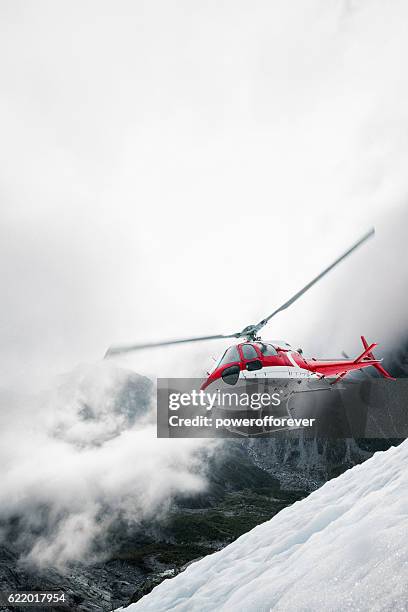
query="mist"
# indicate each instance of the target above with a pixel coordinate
(83, 456)
(170, 170)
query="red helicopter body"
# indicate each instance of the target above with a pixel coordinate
(276, 359)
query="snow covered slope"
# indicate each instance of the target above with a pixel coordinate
(345, 547)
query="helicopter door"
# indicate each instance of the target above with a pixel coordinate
(251, 360)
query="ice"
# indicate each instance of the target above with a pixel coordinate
(344, 547)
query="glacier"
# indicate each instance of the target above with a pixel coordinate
(344, 547)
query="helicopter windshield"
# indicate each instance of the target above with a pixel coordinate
(231, 355)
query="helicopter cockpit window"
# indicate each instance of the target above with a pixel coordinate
(249, 352)
(268, 350)
(231, 355)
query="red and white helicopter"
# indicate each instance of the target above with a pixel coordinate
(257, 358)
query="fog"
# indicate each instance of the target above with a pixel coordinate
(81, 457)
(172, 169)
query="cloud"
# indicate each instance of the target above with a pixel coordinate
(171, 172)
(67, 477)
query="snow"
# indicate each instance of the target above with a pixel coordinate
(344, 547)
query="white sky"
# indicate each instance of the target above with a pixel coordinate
(172, 169)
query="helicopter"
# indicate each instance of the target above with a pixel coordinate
(253, 357)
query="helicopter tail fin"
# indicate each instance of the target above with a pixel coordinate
(369, 354)
(364, 360)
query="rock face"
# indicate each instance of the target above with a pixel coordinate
(306, 463)
(87, 589)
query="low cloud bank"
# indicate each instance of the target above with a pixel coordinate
(83, 455)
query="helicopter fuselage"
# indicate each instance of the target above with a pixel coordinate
(277, 359)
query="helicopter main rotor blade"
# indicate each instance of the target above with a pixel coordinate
(250, 331)
(256, 328)
(117, 350)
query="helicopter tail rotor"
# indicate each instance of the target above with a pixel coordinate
(369, 355)
(365, 359)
